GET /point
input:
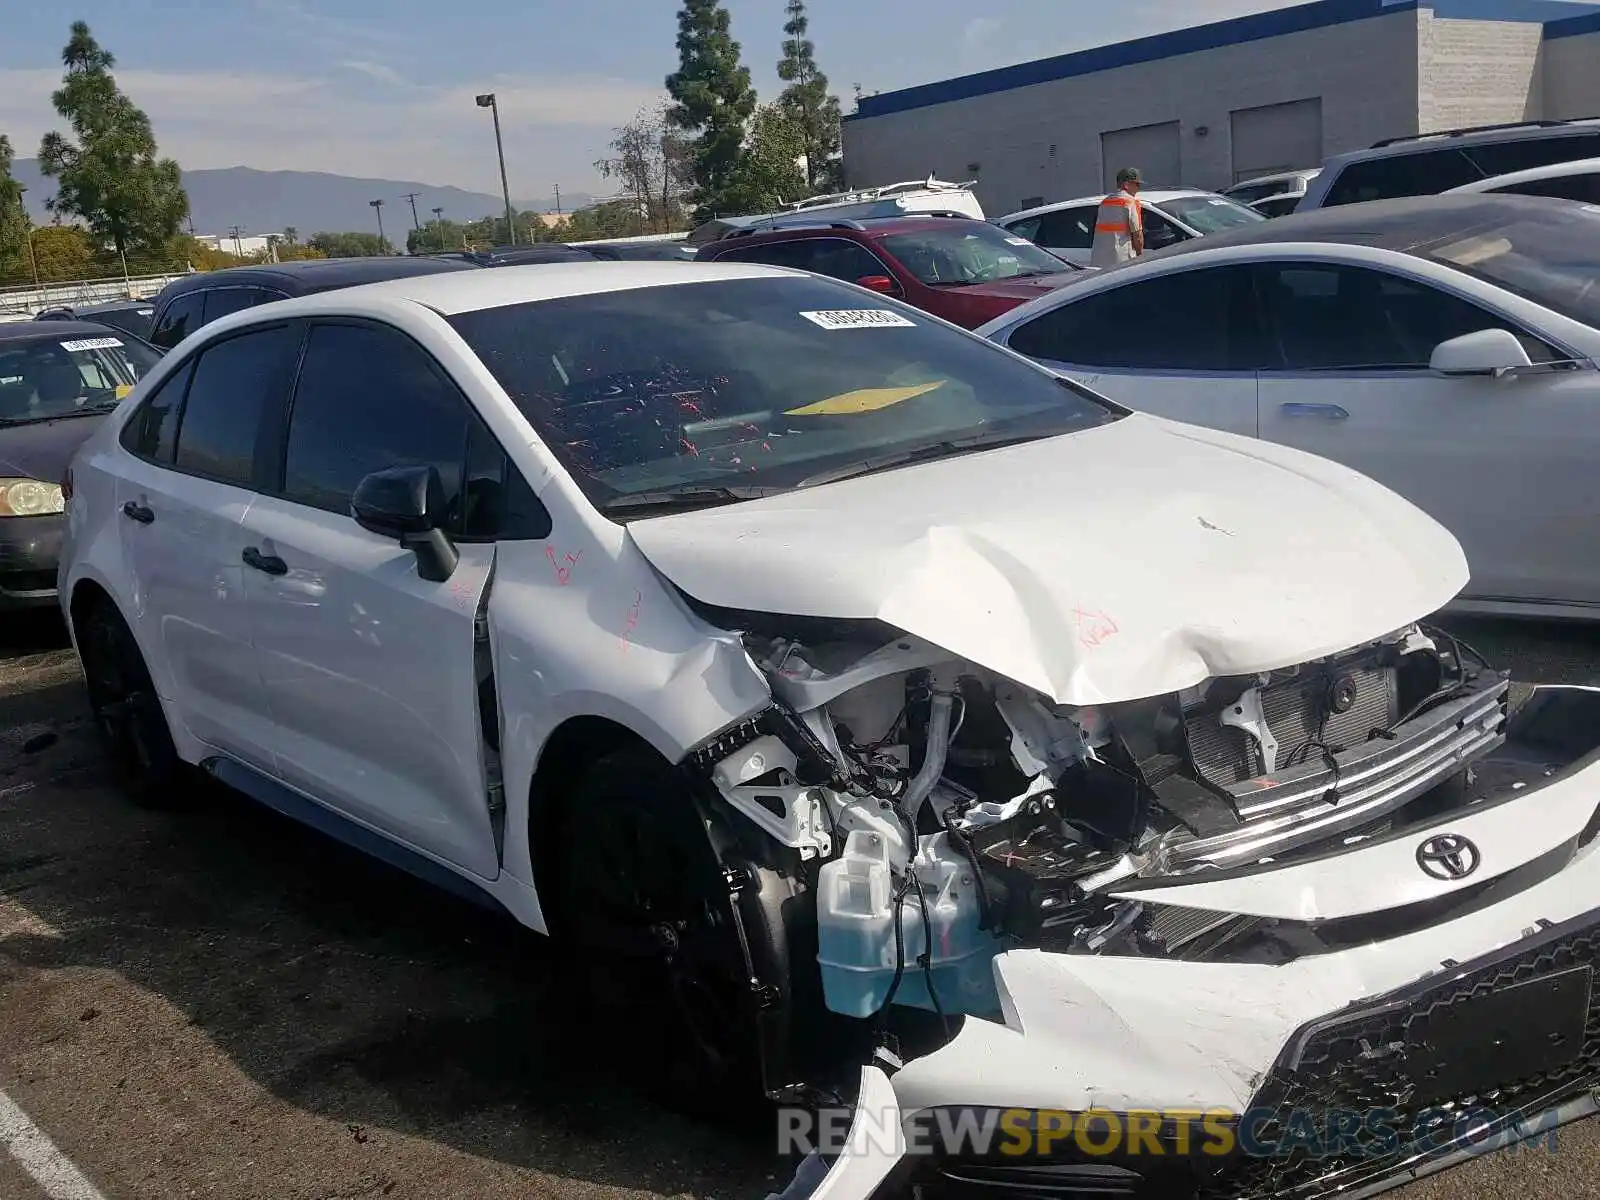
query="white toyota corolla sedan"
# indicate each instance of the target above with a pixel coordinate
(862, 701)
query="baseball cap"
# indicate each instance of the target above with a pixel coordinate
(1129, 175)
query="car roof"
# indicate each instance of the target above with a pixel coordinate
(48, 331)
(1147, 195)
(1559, 170)
(110, 306)
(1479, 136)
(870, 227)
(471, 291)
(318, 274)
(1401, 225)
(1275, 177)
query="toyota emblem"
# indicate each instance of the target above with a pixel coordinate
(1449, 857)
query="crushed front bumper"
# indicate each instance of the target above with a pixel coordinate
(1345, 1072)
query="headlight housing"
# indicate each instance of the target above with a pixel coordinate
(30, 498)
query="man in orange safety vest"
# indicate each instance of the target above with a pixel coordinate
(1119, 224)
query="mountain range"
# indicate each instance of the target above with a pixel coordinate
(262, 202)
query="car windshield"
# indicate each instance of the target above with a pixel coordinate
(754, 383)
(1549, 253)
(1210, 214)
(51, 376)
(966, 252)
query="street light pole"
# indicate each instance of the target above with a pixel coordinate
(487, 100)
(377, 207)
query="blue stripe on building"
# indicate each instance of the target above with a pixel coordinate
(1299, 19)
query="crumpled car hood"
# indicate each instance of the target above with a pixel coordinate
(1126, 561)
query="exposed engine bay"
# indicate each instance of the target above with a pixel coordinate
(950, 814)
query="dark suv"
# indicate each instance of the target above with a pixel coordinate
(186, 304)
(966, 271)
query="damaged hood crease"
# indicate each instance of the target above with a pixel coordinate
(1138, 558)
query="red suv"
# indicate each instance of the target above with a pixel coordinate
(966, 271)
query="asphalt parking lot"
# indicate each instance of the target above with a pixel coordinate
(219, 1004)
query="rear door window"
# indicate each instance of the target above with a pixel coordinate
(152, 431)
(1523, 154)
(222, 301)
(1028, 227)
(796, 253)
(1203, 321)
(1425, 173)
(839, 258)
(1067, 228)
(1584, 188)
(180, 318)
(237, 383)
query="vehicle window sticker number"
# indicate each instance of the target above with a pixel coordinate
(858, 318)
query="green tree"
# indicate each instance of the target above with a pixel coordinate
(109, 177)
(651, 161)
(438, 235)
(63, 252)
(770, 174)
(350, 245)
(809, 103)
(13, 221)
(712, 101)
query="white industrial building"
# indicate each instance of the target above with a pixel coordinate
(1214, 104)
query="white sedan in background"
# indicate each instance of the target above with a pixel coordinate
(1444, 346)
(1171, 216)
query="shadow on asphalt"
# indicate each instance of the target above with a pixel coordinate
(355, 993)
(338, 984)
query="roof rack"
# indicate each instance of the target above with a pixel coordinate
(783, 223)
(1449, 133)
(779, 225)
(864, 195)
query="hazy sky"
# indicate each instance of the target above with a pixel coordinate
(385, 87)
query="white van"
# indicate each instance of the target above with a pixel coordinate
(915, 197)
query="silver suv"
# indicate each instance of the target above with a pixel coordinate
(1429, 163)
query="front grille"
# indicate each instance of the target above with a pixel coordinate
(1414, 1056)
(1298, 713)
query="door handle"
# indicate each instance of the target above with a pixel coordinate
(1328, 412)
(269, 564)
(141, 513)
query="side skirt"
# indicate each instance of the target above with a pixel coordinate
(289, 803)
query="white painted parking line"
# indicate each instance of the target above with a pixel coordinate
(37, 1155)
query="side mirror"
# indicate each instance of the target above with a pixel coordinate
(406, 504)
(879, 283)
(1484, 352)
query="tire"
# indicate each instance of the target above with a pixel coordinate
(128, 713)
(642, 912)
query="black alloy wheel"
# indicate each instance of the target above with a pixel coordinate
(644, 911)
(123, 701)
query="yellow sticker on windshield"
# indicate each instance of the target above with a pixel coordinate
(123, 389)
(863, 400)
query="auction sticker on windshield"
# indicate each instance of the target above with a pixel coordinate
(858, 318)
(92, 344)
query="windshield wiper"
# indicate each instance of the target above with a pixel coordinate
(945, 449)
(688, 495)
